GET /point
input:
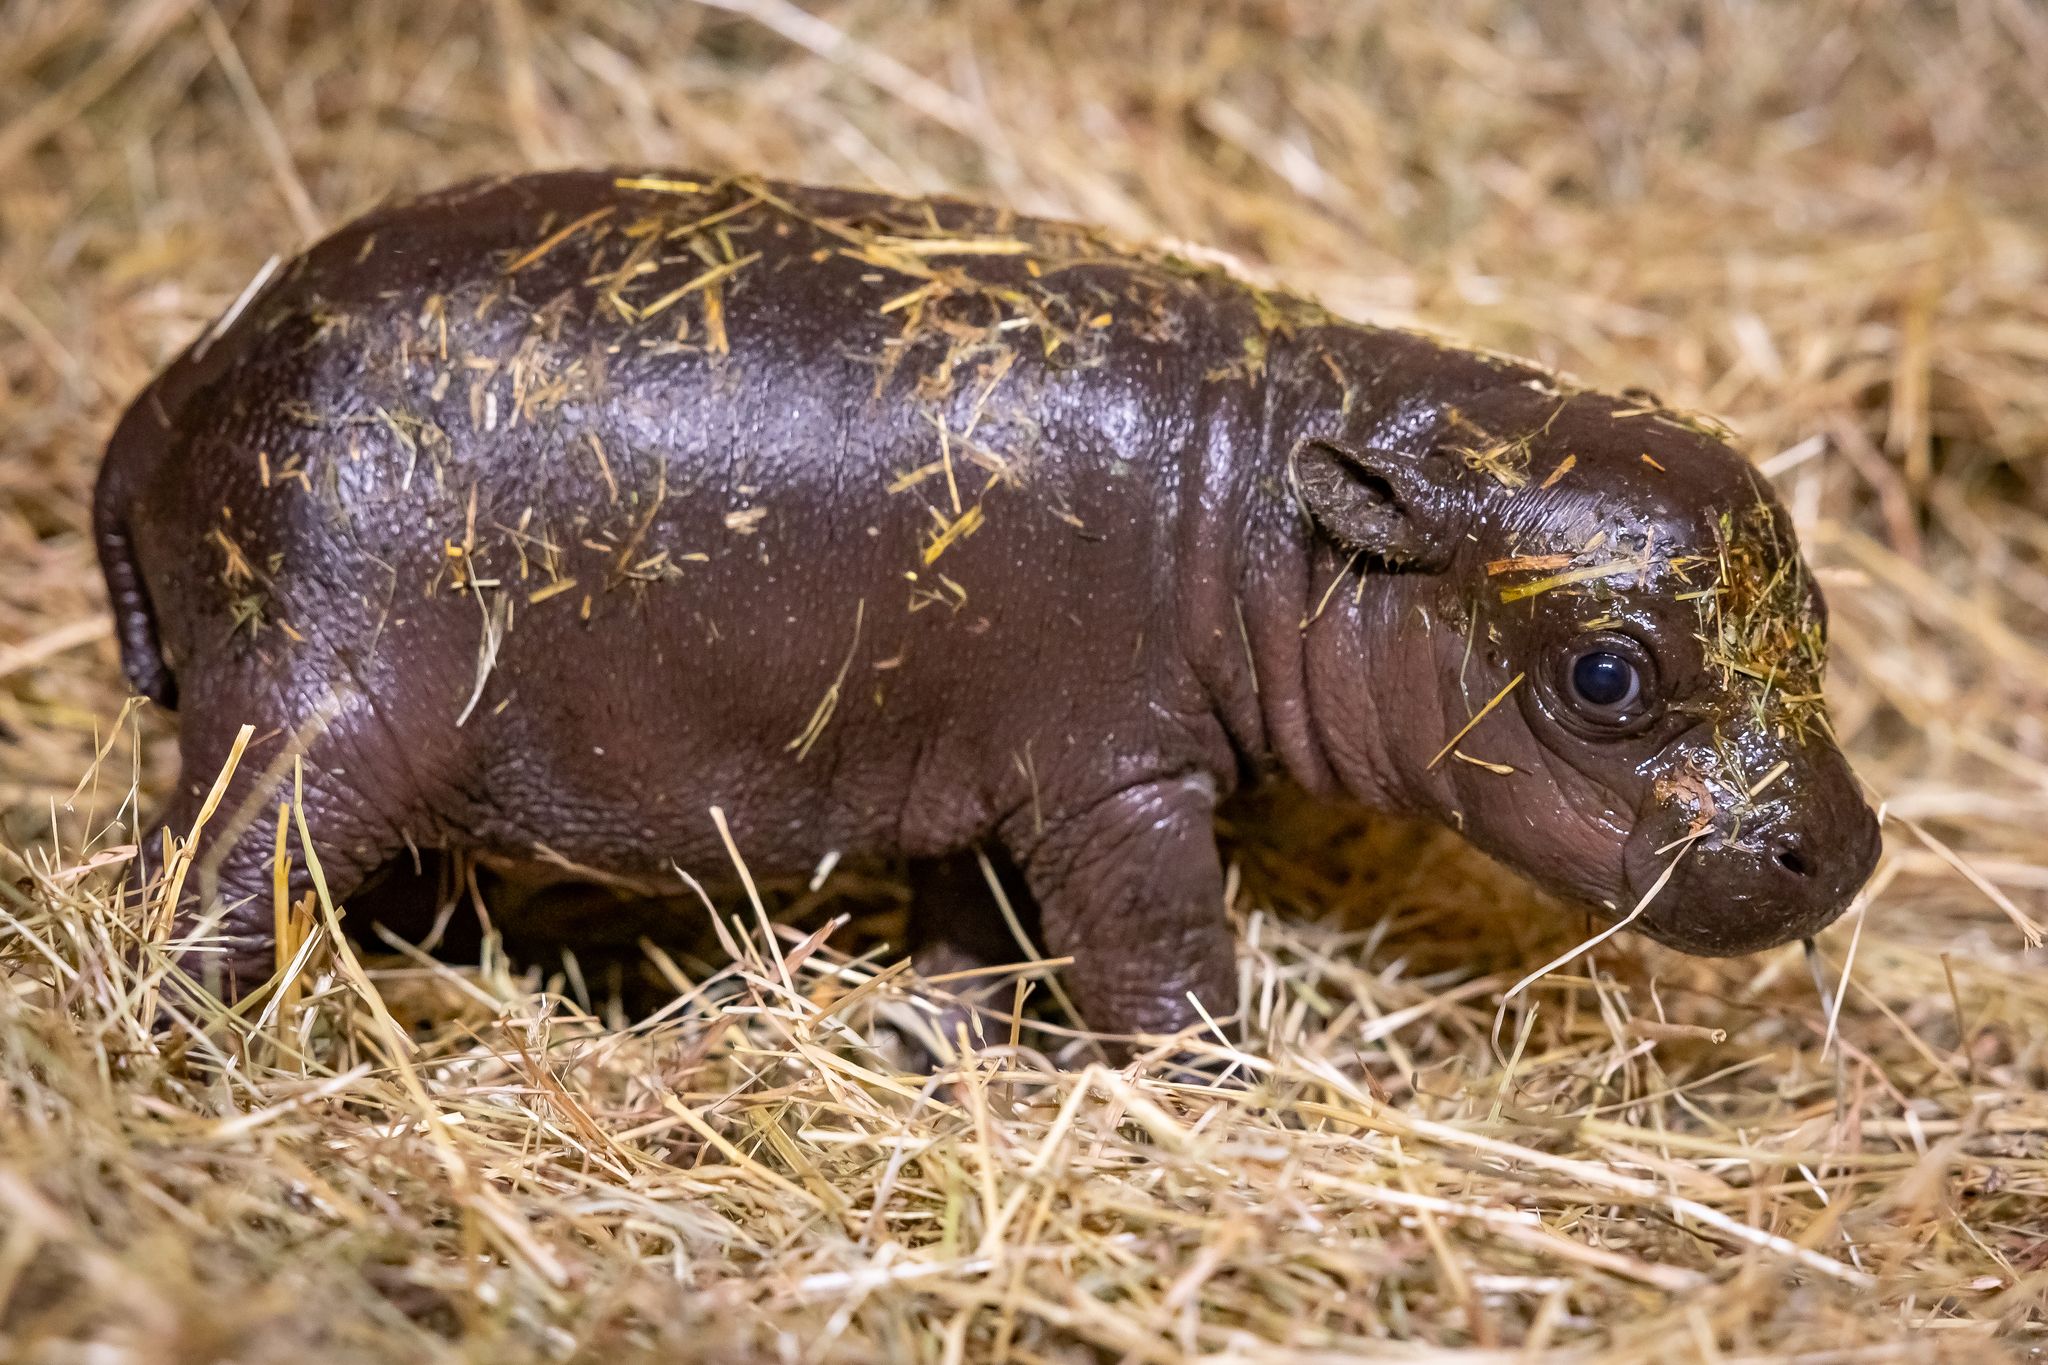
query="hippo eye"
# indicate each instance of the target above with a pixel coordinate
(1605, 686)
(1605, 681)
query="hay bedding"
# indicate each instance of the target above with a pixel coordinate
(1828, 222)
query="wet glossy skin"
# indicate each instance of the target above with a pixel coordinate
(1722, 768)
(545, 516)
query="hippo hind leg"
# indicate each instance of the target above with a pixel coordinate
(362, 802)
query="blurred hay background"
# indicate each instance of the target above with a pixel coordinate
(1827, 222)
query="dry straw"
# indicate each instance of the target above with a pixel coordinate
(1827, 221)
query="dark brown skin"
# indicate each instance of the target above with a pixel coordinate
(920, 527)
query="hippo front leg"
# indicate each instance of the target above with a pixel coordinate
(1131, 889)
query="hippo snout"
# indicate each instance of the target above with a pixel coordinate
(1763, 875)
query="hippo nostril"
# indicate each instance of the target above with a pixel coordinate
(1792, 857)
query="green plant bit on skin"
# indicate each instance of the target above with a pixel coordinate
(1758, 623)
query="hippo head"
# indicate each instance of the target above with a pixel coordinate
(1593, 648)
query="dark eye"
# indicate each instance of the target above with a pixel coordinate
(1605, 681)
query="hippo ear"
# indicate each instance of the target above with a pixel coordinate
(1375, 502)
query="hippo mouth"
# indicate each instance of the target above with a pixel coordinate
(1786, 873)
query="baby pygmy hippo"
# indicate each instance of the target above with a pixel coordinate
(543, 516)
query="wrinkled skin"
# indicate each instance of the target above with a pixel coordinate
(542, 517)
